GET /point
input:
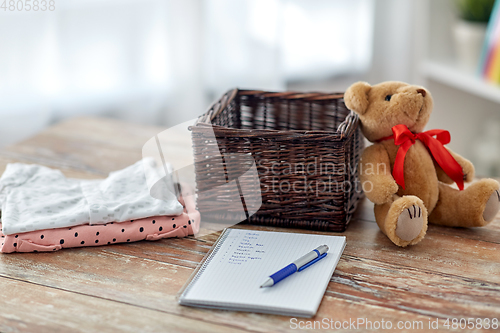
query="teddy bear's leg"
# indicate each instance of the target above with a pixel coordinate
(403, 220)
(475, 206)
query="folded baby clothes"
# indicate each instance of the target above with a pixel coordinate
(151, 228)
(34, 197)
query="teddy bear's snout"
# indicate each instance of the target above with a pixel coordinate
(422, 92)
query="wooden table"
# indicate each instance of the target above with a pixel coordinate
(452, 273)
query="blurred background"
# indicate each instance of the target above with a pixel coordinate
(162, 62)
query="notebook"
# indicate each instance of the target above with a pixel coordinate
(230, 275)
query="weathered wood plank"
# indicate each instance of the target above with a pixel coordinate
(94, 145)
(68, 171)
(416, 290)
(440, 253)
(28, 307)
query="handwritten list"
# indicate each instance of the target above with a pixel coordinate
(244, 249)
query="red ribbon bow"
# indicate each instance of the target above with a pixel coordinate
(404, 138)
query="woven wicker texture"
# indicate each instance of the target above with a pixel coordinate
(306, 147)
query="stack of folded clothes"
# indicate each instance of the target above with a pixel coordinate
(42, 210)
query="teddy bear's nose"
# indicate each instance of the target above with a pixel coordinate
(422, 92)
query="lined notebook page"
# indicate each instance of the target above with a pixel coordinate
(231, 276)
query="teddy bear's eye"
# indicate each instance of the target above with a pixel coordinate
(388, 97)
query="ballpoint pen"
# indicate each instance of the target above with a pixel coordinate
(298, 265)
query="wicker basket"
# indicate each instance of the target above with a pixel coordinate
(310, 140)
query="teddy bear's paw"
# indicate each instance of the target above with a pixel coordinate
(405, 222)
(492, 207)
(410, 223)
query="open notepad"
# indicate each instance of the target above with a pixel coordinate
(230, 275)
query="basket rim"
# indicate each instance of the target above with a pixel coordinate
(307, 135)
(345, 129)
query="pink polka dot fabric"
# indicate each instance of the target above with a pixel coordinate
(151, 228)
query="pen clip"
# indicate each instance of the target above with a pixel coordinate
(312, 262)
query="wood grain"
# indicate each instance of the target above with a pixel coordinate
(29, 307)
(452, 273)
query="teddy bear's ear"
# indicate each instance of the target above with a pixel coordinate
(356, 97)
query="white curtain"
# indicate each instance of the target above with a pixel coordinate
(160, 62)
(266, 43)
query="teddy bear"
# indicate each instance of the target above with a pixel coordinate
(407, 173)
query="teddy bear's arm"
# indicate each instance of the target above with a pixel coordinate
(375, 174)
(467, 168)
